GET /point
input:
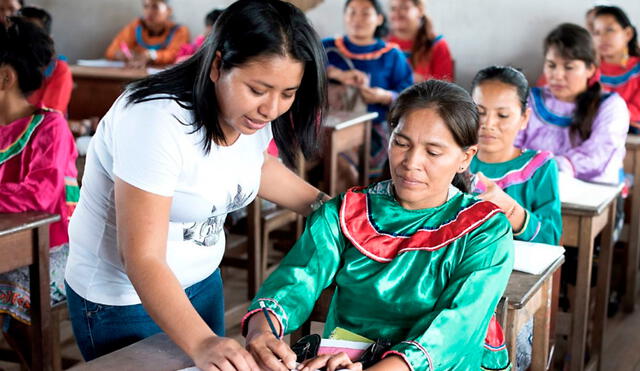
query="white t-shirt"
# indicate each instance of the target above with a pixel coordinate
(147, 146)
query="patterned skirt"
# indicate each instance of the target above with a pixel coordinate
(15, 299)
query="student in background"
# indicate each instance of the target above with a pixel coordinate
(522, 182)
(617, 42)
(55, 92)
(9, 8)
(175, 154)
(585, 128)
(378, 69)
(430, 261)
(37, 169)
(188, 50)
(151, 39)
(412, 30)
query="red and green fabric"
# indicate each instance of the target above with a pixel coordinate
(428, 280)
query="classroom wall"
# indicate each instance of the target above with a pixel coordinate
(480, 33)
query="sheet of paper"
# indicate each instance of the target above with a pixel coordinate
(577, 192)
(197, 369)
(341, 334)
(534, 258)
(100, 63)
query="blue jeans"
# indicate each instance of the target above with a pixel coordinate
(100, 329)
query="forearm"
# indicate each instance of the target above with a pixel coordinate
(280, 185)
(258, 324)
(156, 285)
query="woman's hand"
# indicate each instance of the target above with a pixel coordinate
(376, 96)
(349, 77)
(223, 354)
(332, 362)
(495, 194)
(270, 352)
(139, 60)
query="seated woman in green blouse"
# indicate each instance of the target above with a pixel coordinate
(414, 259)
(522, 182)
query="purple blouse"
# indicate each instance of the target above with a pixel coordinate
(597, 159)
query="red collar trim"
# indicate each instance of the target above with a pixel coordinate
(339, 42)
(357, 227)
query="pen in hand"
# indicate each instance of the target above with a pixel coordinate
(266, 314)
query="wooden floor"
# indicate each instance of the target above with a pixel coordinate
(622, 342)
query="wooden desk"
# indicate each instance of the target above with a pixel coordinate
(96, 88)
(632, 166)
(581, 225)
(155, 353)
(343, 131)
(24, 241)
(529, 295)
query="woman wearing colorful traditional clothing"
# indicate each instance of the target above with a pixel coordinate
(617, 42)
(523, 182)
(583, 127)
(151, 39)
(55, 92)
(378, 69)
(427, 52)
(37, 168)
(429, 261)
(173, 156)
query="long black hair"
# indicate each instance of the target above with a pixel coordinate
(574, 42)
(383, 29)
(39, 14)
(245, 31)
(624, 22)
(506, 75)
(452, 103)
(28, 49)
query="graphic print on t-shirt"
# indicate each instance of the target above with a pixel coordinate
(207, 233)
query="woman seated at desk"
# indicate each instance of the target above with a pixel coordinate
(523, 183)
(152, 39)
(377, 69)
(37, 168)
(430, 261)
(585, 128)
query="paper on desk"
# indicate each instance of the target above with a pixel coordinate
(577, 192)
(100, 63)
(197, 369)
(534, 258)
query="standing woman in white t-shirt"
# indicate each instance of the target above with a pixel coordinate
(177, 152)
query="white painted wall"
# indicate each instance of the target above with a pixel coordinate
(480, 33)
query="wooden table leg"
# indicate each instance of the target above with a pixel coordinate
(633, 260)
(604, 279)
(580, 305)
(365, 156)
(511, 336)
(41, 350)
(541, 329)
(331, 166)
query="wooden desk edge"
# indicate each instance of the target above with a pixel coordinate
(581, 210)
(158, 347)
(633, 141)
(529, 294)
(353, 121)
(32, 219)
